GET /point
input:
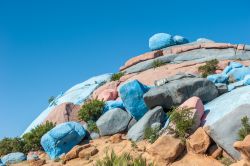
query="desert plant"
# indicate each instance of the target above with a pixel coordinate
(209, 68)
(92, 126)
(116, 76)
(226, 161)
(245, 129)
(9, 145)
(157, 63)
(91, 110)
(124, 160)
(151, 134)
(182, 121)
(32, 139)
(51, 99)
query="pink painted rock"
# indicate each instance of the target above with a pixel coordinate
(218, 71)
(140, 58)
(126, 77)
(197, 109)
(240, 47)
(64, 112)
(107, 92)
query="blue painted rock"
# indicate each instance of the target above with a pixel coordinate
(204, 40)
(109, 105)
(218, 78)
(160, 40)
(131, 94)
(62, 138)
(13, 158)
(112, 122)
(78, 94)
(156, 115)
(238, 74)
(180, 40)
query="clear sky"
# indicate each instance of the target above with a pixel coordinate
(47, 46)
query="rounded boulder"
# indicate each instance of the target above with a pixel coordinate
(160, 40)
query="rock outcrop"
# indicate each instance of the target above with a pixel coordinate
(176, 92)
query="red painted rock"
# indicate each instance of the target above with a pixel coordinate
(107, 92)
(64, 112)
(197, 109)
(140, 58)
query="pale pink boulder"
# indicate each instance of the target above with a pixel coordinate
(107, 92)
(197, 108)
(64, 112)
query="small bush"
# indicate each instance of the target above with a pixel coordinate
(123, 160)
(226, 161)
(245, 129)
(182, 120)
(209, 68)
(91, 110)
(133, 144)
(151, 134)
(51, 99)
(9, 145)
(92, 126)
(158, 63)
(32, 138)
(117, 76)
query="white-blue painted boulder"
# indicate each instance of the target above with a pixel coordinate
(160, 40)
(223, 118)
(62, 138)
(13, 158)
(78, 94)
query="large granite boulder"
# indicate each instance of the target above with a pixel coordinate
(160, 40)
(107, 92)
(113, 121)
(62, 138)
(78, 94)
(136, 132)
(176, 92)
(223, 121)
(13, 158)
(64, 112)
(132, 96)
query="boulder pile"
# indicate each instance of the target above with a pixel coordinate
(160, 108)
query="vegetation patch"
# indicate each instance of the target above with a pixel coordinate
(92, 126)
(91, 110)
(226, 161)
(117, 76)
(245, 129)
(209, 68)
(32, 139)
(124, 160)
(29, 142)
(151, 134)
(182, 122)
(157, 63)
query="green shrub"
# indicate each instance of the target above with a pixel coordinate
(123, 160)
(182, 120)
(245, 129)
(91, 110)
(158, 63)
(32, 138)
(9, 145)
(92, 126)
(116, 76)
(209, 68)
(226, 161)
(51, 99)
(133, 144)
(151, 134)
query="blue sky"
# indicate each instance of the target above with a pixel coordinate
(47, 46)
